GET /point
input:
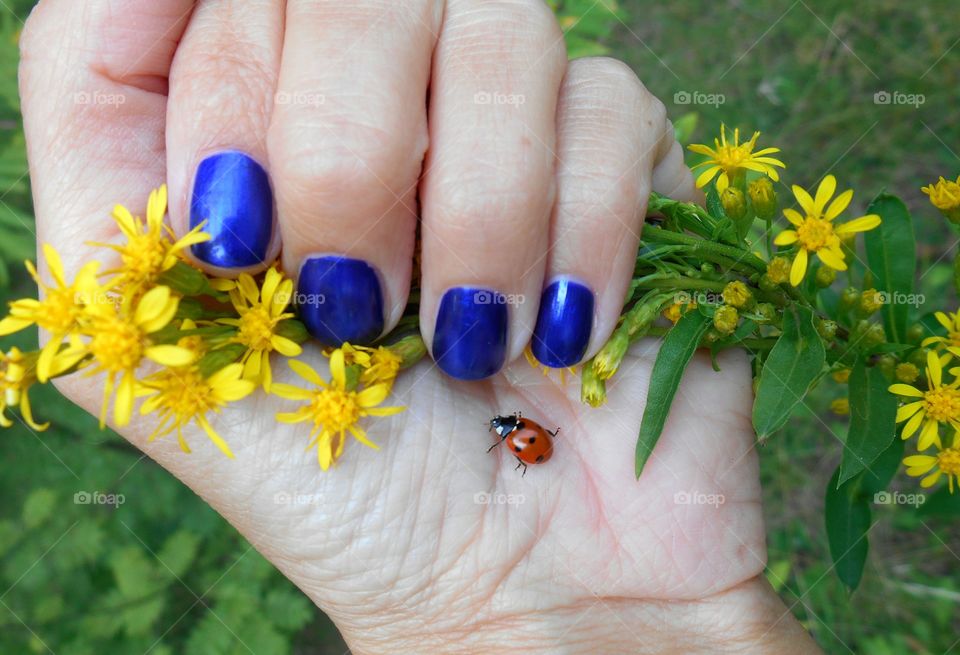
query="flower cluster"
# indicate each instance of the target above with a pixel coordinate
(156, 328)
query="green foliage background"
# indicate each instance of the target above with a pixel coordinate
(164, 573)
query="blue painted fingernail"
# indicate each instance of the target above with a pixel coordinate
(340, 300)
(563, 324)
(470, 339)
(231, 192)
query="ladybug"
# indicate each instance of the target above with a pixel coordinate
(527, 440)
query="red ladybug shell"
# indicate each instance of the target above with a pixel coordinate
(530, 442)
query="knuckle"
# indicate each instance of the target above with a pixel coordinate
(490, 206)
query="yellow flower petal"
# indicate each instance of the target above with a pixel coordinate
(861, 224)
(786, 237)
(905, 390)
(804, 200)
(839, 203)
(824, 192)
(793, 216)
(799, 268)
(832, 258)
(170, 355)
(908, 410)
(306, 372)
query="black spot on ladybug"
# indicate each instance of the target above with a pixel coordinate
(521, 425)
(517, 448)
(532, 439)
(539, 458)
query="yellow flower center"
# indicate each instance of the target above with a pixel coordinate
(949, 461)
(256, 329)
(732, 157)
(815, 234)
(117, 344)
(335, 409)
(143, 257)
(942, 404)
(184, 392)
(58, 312)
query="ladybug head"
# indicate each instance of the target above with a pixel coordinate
(504, 425)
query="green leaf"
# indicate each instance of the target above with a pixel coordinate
(848, 521)
(178, 552)
(892, 259)
(793, 364)
(677, 349)
(38, 507)
(873, 411)
(684, 126)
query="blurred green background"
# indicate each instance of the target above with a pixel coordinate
(81, 578)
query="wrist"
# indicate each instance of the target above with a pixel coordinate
(749, 618)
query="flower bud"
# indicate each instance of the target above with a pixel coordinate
(874, 336)
(767, 312)
(906, 372)
(915, 333)
(841, 376)
(593, 390)
(725, 319)
(918, 357)
(778, 270)
(607, 361)
(871, 300)
(825, 277)
(410, 350)
(887, 365)
(826, 329)
(763, 198)
(734, 203)
(737, 294)
(945, 196)
(849, 298)
(840, 406)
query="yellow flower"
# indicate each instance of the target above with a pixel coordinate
(725, 319)
(59, 312)
(333, 409)
(150, 248)
(729, 159)
(940, 403)
(546, 370)
(17, 375)
(383, 366)
(778, 270)
(674, 311)
(840, 406)
(120, 340)
(951, 322)
(946, 462)
(180, 395)
(945, 196)
(261, 311)
(816, 232)
(871, 301)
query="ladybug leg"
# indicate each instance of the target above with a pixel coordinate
(554, 433)
(494, 445)
(520, 463)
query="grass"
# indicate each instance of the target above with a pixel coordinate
(805, 73)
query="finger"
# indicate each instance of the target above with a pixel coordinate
(221, 96)
(93, 112)
(611, 134)
(672, 177)
(347, 162)
(488, 185)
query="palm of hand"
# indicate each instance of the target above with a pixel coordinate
(433, 532)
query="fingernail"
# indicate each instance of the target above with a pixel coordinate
(340, 300)
(231, 192)
(563, 324)
(470, 339)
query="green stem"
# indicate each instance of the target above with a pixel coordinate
(742, 260)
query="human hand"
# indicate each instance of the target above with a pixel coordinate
(536, 169)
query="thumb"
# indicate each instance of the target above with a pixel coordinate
(93, 83)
